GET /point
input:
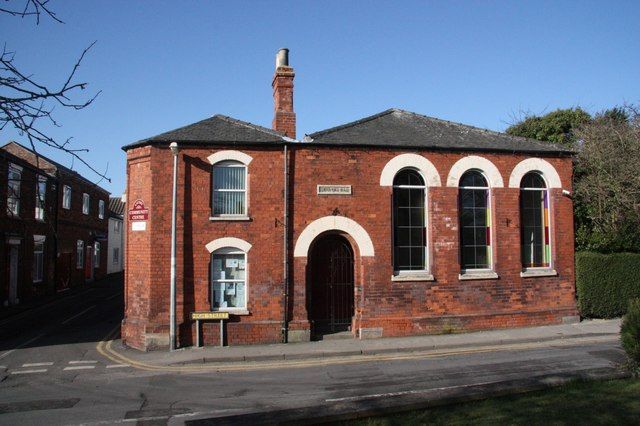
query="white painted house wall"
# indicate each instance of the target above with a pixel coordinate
(115, 241)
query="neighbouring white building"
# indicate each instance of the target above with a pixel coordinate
(115, 257)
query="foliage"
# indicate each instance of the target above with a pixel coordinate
(556, 127)
(594, 403)
(606, 282)
(630, 332)
(607, 182)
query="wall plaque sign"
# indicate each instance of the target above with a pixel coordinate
(334, 189)
(139, 211)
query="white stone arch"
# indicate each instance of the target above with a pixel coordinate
(333, 223)
(539, 165)
(230, 155)
(471, 162)
(415, 161)
(228, 242)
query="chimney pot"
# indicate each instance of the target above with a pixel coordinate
(282, 58)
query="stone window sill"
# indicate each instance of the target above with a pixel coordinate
(416, 276)
(233, 311)
(230, 218)
(529, 273)
(478, 275)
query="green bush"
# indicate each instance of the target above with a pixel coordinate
(630, 331)
(606, 282)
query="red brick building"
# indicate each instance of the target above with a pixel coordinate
(396, 224)
(53, 226)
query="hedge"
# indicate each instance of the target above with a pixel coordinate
(606, 282)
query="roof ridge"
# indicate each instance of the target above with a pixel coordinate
(353, 123)
(249, 124)
(493, 132)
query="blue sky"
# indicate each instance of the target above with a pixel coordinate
(162, 65)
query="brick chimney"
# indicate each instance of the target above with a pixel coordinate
(284, 119)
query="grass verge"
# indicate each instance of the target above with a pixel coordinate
(594, 403)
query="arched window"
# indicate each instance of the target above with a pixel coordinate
(228, 279)
(409, 230)
(534, 217)
(229, 189)
(475, 221)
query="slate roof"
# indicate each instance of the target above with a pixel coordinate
(399, 128)
(45, 164)
(217, 129)
(393, 128)
(116, 206)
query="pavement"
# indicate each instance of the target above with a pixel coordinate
(352, 350)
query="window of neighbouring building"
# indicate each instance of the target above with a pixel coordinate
(228, 279)
(86, 200)
(96, 254)
(534, 216)
(38, 258)
(13, 190)
(229, 189)
(41, 193)
(409, 226)
(475, 221)
(80, 254)
(101, 209)
(66, 197)
(117, 225)
(116, 255)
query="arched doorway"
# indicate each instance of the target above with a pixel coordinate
(330, 291)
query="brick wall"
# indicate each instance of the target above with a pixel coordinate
(390, 308)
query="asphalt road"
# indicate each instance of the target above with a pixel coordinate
(51, 373)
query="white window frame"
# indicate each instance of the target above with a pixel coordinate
(79, 254)
(233, 251)
(13, 193)
(86, 203)
(540, 270)
(38, 258)
(245, 191)
(96, 254)
(101, 209)
(66, 197)
(479, 273)
(418, 274)
(41, 197)
(116, 256)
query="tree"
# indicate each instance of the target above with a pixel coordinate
(25, 103)
(556, 127)
(607, 182)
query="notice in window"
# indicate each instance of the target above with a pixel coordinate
(232, 263)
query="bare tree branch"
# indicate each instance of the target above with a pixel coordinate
(26, 102)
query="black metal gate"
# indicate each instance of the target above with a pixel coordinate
(330, 302)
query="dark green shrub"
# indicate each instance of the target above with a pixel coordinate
(606, 282)
(630, 331)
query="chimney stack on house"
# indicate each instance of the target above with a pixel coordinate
(284, 119)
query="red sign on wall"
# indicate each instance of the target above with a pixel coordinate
(138, 212)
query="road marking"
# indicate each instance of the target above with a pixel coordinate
(42, 370)
(23, 345)
(80, 367)
(104, 347)
(115, 295)
(83, 362)
(37, 364)
(410, 392)
(77, 315)
(118, 365)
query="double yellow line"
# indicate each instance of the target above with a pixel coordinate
(105, 348)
